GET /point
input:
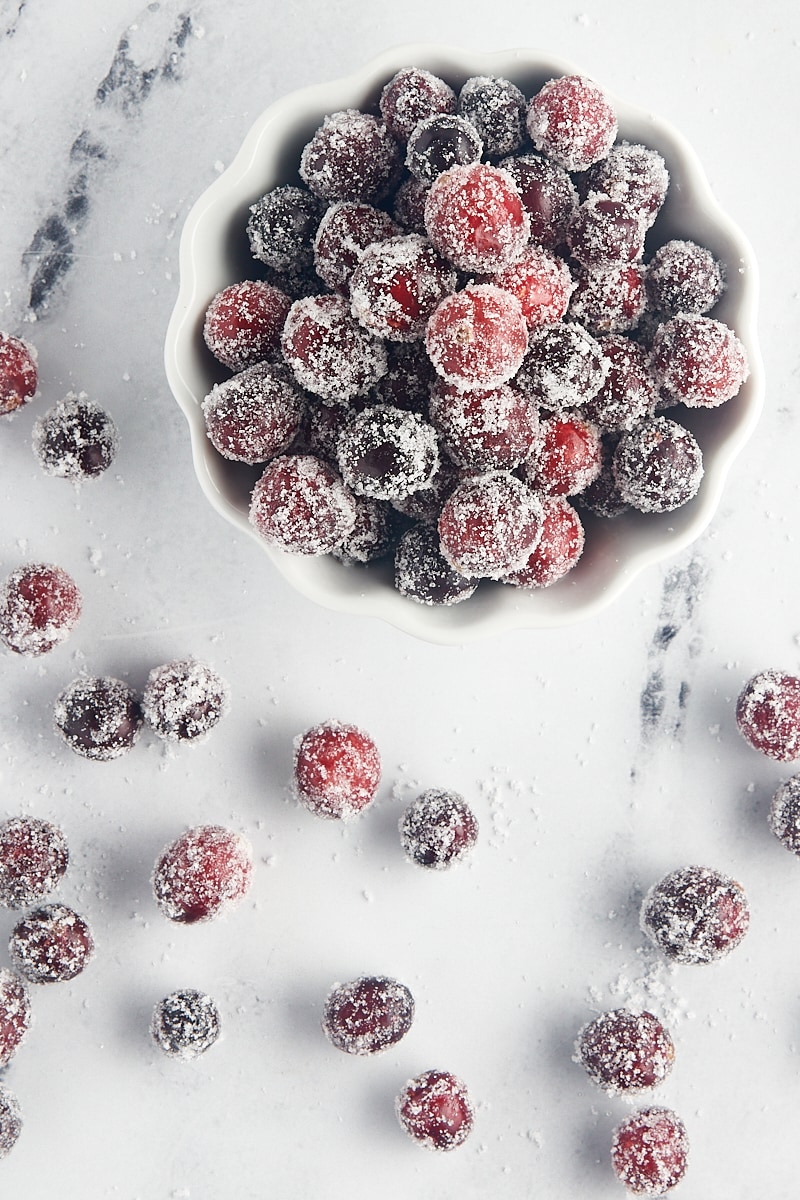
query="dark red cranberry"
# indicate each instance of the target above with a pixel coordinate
(344, 233)
(768, 714)
(624, 1051)
(39, 606)
(18, 373)
(352, 156)
(243, 324)
(699, 361)
(486, 430)
(439, 143)
(412, 95)
(438, 829)
(557, 550)
(784, 814)
(541, 282)
(33, 858)
(571, 121)
(489, 525)
(397, 285)
(435, 1110)
(696, 915)
(322, 427)
(603, 497)
(281, 228)
(563, 366)
(683, 277)
(10, 1121)
(605, 233)
(185, 1024)
(52, 944)
(658, 465)
(497, 109)
(425, 505)
(184, 700)
(255, 414)
(548, 195)
(203, 873)
(386, 453)
(408, 206)
(76, 439)
(331, 354)
(633, 173)
(567, 456)
(476, 219)
(408, 378)
(609, 301)
(15, 1014)
(368, 1015)
(374, 534)
(99, 718)
(477, 337)
(337, 769)
(423, 574)
(649, 1151)
(301, 505)
(628, 394)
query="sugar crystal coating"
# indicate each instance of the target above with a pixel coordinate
(301, 505)
(330, 353)
(435, 1110)
(625, 1051)
(477, 337)
(611, 300)
(373, 535)
(202, 874)
(696, 915)
(541, 282)
(634, 173)
(387, 453)
(423, 574)
(40, 604)
(76, 439)
(628, 393)
(352, 156)
(497, 109)
(33, 858)
(683, 277)
(243, 323)
(558, 549)
(784, 814)
(281, 227)
(185, 1024)
(649, 1151)
(571, 121)
(336, 770)
(475, 217)
(768, 714)
(10, 1120)
(183, 700)
(489, 525)
(658, 465)
(254, 415)
(99, 718)
(345, 232)
(567, 456)
(564, 366)
(52, 944)
(438, 829)
(412, 95)
(606, 233)
(484, 430)
(396, 286)
(18, 373)
(15, 1014)
(368, 1014)
(698, 360)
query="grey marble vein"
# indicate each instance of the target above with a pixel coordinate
(10, 13)
(675, 643)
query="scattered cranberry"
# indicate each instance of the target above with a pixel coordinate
(397, 285)
(439, 143)
(76, 439)
(185, 1024)
(183, 700)
(243, 324)
(477, 337)
(352, 156)
(605, 233)
(475, 218)
(649, 1151)
(337, 769)
(386, 453)
(368, 1015)
(422, 573)
(609, 301)
(548, 195)
(10, 1121)
(438, 829)
(484, 430)
(15, 1014)
(39, 606)
(344, 233)
(696, 915)
(541, 282)
(658, 465)
(571, 121)
(52, 944)
(18, 373)
(698, 360)
(497, 109)
(633, 173)
(784, 814)
(281, 228)
(33, 858)
(203, 873)
(683, 277)
(567, 456)
(254, 415)
(301, 505)
(490, 525)
(435, 1110)
(768, 714)
(624, 1051)
(557, 550)
(99, 718)
(330, 353)
(628, 394)
(411, 96)
(563, 367)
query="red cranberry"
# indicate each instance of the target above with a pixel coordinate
(52, 944)
(183, 700)
(33, 858)
(624, 1051)
(301, 505)
(609, 301)
(329, 352)
(696, 915)
(784, 814)
(557, 550)
(397, 285)
(15, 1014)
(39, 606)
(475, 218)
(352, 156)
(99, 718)
(18, 373)
(605, 233)
(567, 456)
(344, 233)
(411, 96)
(542, 284)
(368, 1015)
(386, 453)
(185, 1024)
(489, 525)
(243, 324)
(683, 277)
(281, 228)
(698, 360)
(497, 109)
(422, 573)
(658, 465)
(649, 1151)
(435, 1110)
(439, 143)
(548, 195)
(10, 1121)
(571, 121)
(768, 714)
(254, 415)
(628, 394)
(337, 769)
(374, 534)
(477, 337)
(563, 367)
(76, 439)
(633, 173)
(484, 430)
(438, 829)
(203, 873)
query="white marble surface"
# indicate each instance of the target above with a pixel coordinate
(597, 756)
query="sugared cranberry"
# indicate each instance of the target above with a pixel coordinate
(768, 714)
(397, 285)
(352, 156)
(52, 944)
(696, 915)
(243, 324)
(438, 829)
(15, 1014)
(439, 143)
(633, 173)
(477, 337)
(548, 195)
(683, 277)
(412, 95)
(183, 700)
(425, 504)
(408, 206)
(567, 456)
(489, 525)
(76, 439)
(408, 378)
(368, 1015)
(541, 282)
(658, 465)
(337, 769)
(203, 873)
(475, 218)
(254, 415)
(649, 1151)
(39, 606)
(698, 360)
(422, 573)
(571, 121)
(784, 814)
(497, 109)
(386, 453)
(373, 535)
(185, 1024)
(624, 1051)
(281, 228)
(605, 233)
(99, 718)
(557, 550)
(628, 394)
(33, 858)
(10, 1120)
(435, 1110)
(486, 430)
(563, 367)
(18, 373)
(603, 496)
(330, 353)
(609, 301)
(301, 505)
(344, 233)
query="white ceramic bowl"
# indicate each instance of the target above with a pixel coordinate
(214, 253)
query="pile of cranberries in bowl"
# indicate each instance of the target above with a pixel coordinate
(463, 341)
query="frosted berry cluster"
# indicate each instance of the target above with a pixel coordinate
(462, 336)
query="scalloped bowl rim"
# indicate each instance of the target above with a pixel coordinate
(604, 571)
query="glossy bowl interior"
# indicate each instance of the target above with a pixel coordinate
(214, 252)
